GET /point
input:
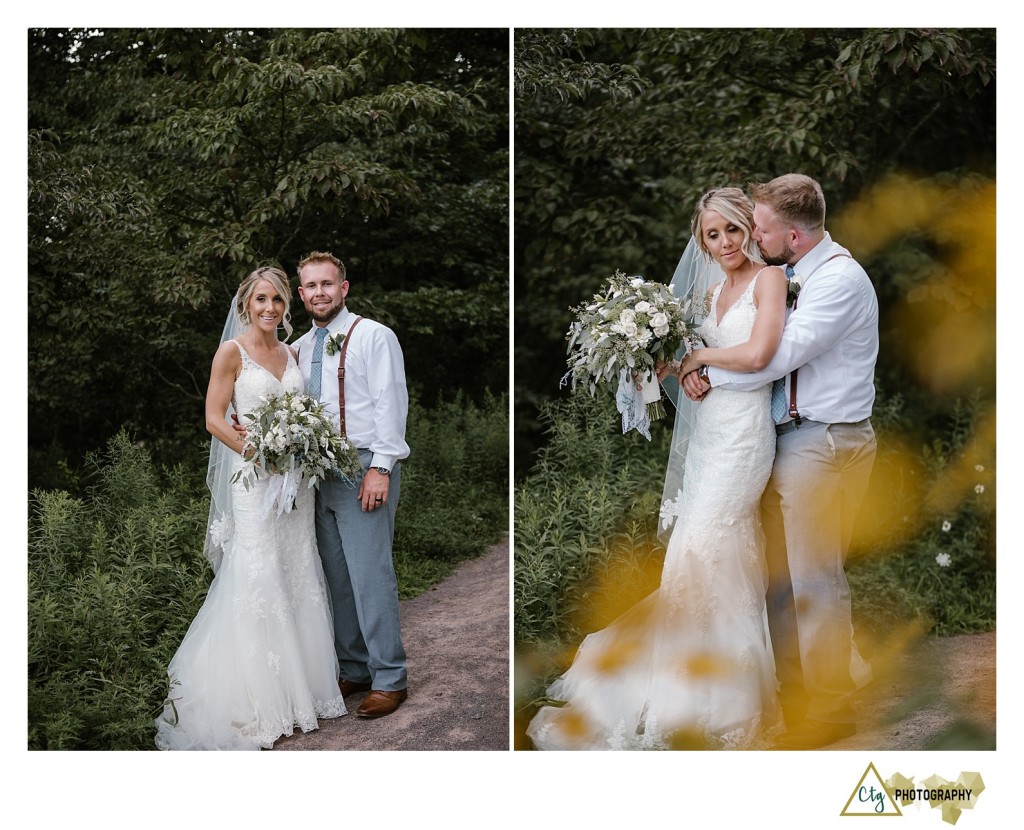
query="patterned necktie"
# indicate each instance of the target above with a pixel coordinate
(779, 387)
(316, 364)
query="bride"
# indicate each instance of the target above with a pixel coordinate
(259, 657)
(691, 666)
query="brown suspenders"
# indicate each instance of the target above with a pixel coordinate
(341, 375)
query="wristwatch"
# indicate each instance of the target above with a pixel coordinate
(384, 471)
(702, 373)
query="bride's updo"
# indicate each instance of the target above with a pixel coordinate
(277, 278)
(734, 206)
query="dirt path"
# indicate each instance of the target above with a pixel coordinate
(939, 693)
(457, 639)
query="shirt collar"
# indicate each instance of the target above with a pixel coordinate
(817, 256)
(339, 323)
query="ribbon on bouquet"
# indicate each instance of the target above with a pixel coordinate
(637, 394)
(282, 488)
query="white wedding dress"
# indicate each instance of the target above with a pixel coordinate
(259, 657)
(690, 666)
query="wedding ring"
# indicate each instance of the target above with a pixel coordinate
(378, 499)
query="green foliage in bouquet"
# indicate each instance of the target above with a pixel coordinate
(629, 326)
(294, 432)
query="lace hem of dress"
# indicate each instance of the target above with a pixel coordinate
(261, 734)
(267, 734)
(648, 736)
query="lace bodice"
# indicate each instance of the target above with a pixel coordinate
(255, 381)
(738, 321)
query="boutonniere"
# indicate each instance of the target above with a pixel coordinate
(333, 343)
(792, 292)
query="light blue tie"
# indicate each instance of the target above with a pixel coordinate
(779, 387)
(316, 364)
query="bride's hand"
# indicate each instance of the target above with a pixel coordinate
(694, 388)
(691, 363)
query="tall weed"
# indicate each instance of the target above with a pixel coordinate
(114, 581)
(590, 483)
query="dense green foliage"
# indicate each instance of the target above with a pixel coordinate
(589, 487)
(116, 577)
(164, 164)
(617, 132)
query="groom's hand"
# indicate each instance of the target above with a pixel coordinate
(694, 387)
(237, 427)
(373, 492)
(663, 369)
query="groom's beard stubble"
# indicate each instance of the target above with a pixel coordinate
(330, 314)
(781, 259)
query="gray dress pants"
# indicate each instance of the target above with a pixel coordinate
(355, 548)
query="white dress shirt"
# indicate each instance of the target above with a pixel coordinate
(376, 398)
(831, 337)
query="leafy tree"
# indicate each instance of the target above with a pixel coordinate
(166, 164)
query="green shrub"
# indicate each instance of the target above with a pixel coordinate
(935, 567)
(454, 500)
(590, 485)
(113, 583)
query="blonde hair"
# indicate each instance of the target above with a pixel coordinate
(795, 198)
(277, 278)
(322, 256)
(734, 206)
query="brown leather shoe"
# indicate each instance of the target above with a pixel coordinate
(378, 703)
(349, 687)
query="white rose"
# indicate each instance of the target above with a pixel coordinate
(629, 329)
(627, 316)
(642, 307)
(660, 324)
(636, 282)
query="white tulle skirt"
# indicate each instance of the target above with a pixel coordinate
(689, 667)
(259, 658)
(692, 665)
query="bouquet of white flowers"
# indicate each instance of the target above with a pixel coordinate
(291, 438)
(620, 335)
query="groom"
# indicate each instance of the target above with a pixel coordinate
(355, 523)
(825, 449)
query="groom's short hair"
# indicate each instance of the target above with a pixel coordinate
(322, 256)
(795, 198)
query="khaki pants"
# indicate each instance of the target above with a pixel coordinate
(818, 482)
